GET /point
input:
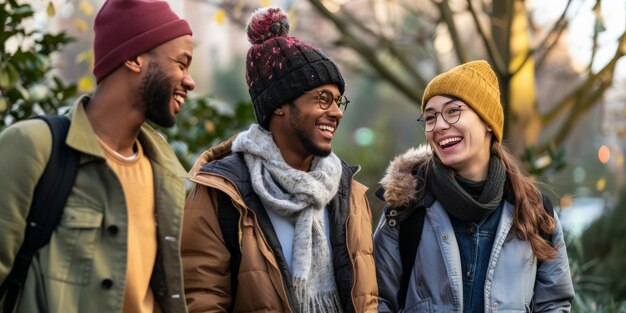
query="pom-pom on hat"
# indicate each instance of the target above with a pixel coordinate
(477, 85)
(280, 68)
(127, 28)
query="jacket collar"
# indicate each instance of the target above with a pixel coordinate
(217, 152)
(399, 184)
(82, 137)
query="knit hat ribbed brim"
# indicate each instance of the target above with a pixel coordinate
(127, 28)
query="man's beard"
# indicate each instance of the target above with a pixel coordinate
(156, 94)
(306, 141)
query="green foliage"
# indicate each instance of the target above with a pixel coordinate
(205, 121)
(594, 292)
(541, 163)
(604, 245)
(26, 85)
(200, 124)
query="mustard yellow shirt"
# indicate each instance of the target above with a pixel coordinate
(135, 175)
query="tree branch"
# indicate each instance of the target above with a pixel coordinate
(529, 52)
(369, 55)
(583, 98)
(489, 44)
(374, 19)
(577, 112)
(448, 19)
(594, 50)
(510, 12)
(393, 50)
(569, 100)
(596, 34)
(556, 31)
(521, 65)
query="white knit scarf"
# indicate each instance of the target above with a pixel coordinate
(296, 195)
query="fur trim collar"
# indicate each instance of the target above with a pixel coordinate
(399, 182)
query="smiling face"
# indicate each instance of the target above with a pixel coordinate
(305, 129)
(463, 146)
(165, 85)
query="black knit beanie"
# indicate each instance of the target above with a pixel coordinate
(280, 68)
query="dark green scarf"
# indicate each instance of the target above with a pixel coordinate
(457, 202)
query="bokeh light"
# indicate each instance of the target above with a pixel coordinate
(364, 136)
(209, 126)
(601, 184)
(566, 201)
(604, 154)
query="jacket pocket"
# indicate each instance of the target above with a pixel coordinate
(72, 246)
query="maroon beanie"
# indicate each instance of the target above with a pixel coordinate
(127, 28)
(280, 68)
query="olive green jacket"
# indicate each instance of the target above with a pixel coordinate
(83, 268)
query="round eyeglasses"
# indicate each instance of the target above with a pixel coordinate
(450, 114)
(325, 100)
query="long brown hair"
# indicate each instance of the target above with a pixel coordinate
(529, 217)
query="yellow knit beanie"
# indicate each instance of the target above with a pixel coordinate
(476, 84)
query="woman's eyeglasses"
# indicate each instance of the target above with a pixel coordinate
(450, 114)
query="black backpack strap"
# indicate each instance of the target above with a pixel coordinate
(228, 217)
(547, 205)
(47, 206)
(409, 239)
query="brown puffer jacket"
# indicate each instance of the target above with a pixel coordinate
(262, 286)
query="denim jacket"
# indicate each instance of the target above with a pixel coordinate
(475, 241)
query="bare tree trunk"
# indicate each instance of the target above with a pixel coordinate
(509, 24)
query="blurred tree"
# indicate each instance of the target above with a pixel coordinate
(503, 30)
(405, 43)
(27, 86)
